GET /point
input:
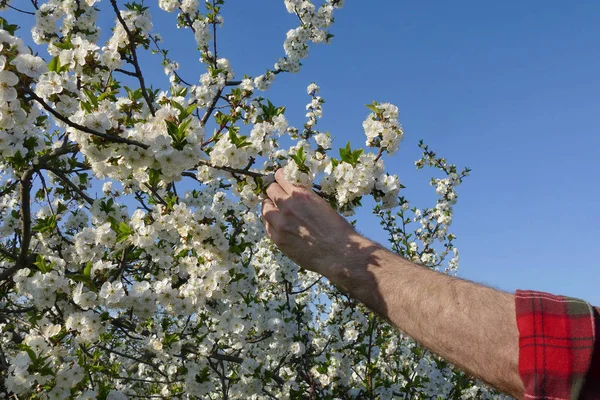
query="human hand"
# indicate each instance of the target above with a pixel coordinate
(307, 229)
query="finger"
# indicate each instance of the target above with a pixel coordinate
(277, 194)
(270, 231)
(271, 214)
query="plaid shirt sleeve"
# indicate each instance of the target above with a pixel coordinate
(559, 347)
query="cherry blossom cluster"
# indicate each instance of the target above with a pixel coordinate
(133, 259)
(382, 127)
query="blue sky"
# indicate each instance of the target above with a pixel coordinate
(510, 89)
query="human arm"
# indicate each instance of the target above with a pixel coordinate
(470, 325)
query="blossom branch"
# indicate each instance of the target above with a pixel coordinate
(82, 128)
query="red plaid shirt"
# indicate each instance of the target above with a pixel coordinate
(559, 347)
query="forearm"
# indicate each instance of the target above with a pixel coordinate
(470, 325)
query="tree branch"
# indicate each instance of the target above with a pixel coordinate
(25, 195)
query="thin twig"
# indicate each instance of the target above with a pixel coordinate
(19, 10)
(73, 186)
(167, 60)
(135, 62)
(211, 107)
(233, 170)
(214, 34)
(142, 361)
(122, 264)
(8, 188)
(123, 71)
(307, 288)
(8, 254)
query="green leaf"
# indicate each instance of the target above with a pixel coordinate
(179, 107)
(171, 338)
(31, 354)
(373, 107)
(183, 126)
(60, 208)
(221, 119)
(107, 206)
(154, 175)
(124, 228)
(345, 153)
(87, 271)
(87, 107)
(300, 158)
(108, 94)
(190, 109)
(349, 156)
(301, 155)
(355, 156)
(44, 225)
(171, 201)
(203, 376)
(232, 136)
(66, 45)
(123, 232)
(54, 64)
(172, 129)
(11, 28)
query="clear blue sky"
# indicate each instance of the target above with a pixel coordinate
(510, 89)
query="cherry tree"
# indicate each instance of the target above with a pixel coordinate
(133, 259)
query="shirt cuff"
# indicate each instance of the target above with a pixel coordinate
(557, 335)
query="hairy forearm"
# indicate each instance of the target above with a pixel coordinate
(470, 325)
